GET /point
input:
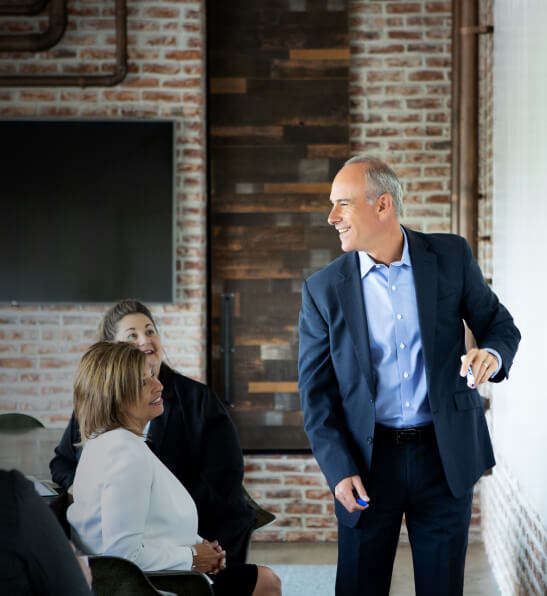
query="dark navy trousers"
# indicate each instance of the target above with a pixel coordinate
(406, 479)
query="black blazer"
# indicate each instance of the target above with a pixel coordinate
(35, 555)
(336, 379)
(197, 440)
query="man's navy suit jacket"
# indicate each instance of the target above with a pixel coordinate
(336, 380)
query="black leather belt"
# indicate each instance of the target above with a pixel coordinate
(417, 434)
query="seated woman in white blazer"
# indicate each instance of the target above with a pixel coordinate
(126, 502)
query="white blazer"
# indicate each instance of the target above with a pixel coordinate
(128, 504)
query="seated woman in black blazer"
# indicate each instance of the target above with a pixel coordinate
(194, 437)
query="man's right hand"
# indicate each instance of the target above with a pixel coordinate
(344, 492)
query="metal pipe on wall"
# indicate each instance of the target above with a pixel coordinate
(120, 69)
(33, 7)
(35, 42)
(465, 120)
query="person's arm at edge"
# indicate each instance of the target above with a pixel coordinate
(52, 565)
(63, 465)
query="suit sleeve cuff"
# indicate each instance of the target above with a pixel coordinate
(500, 363)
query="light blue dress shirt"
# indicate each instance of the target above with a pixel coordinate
(395, 341)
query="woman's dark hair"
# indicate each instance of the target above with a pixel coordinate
(129, 306)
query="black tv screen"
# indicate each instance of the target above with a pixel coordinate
(87, 210)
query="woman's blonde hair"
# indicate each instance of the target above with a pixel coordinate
(108, 379)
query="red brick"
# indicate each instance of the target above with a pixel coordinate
(320, 522)
(439, 7)
(404, 7)
(17, 363)
(405, 34)
(121, 95)
(162, 13)
(405, 146)
(283, 494)
(304, 480)
(58, 111)
(403, 90)
(282, 467)
(385, 75)
(438, 62)
(424, 185)
(37, 96)
(184, 55)
(389, 49)
(427, 21)
(288, 522)
(134, 25)
(426, 48)
(59, 362)
(307, 508)
(426, 75)
(404, 117)
(80, 69)
(423, 103)
(319, 494)
(382, 132)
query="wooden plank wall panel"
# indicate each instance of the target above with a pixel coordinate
(278, 131)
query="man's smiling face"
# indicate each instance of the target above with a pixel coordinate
(354, 217)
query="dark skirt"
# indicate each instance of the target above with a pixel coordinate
(236, 579)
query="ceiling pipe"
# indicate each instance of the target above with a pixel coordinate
(120, 69)
(23, 9)
(35, 42)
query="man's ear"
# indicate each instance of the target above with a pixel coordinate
(384, 203)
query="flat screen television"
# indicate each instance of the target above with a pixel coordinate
(87, 210)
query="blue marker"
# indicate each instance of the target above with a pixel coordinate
(470, 377)
(361, 502)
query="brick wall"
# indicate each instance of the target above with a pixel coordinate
(515, 537)
(399, 110)
(400, 99)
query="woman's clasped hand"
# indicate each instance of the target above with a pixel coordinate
(210, 557)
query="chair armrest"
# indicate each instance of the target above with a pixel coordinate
(114, 576)
(187, 583)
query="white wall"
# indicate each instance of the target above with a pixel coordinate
(520, 237)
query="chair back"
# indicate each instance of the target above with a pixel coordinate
(10, 421)
(114, 576)
(264, 519)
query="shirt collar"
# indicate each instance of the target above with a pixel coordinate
(366, 262)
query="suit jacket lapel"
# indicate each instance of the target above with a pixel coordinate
(424, 269)
(350, 295)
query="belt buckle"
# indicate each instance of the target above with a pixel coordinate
(407, 435)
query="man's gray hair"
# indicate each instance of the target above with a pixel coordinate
(381, 178)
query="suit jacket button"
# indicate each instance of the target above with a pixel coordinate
(369, 440)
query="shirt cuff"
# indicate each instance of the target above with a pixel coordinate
(497, 355)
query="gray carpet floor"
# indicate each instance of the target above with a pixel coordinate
(306, 580)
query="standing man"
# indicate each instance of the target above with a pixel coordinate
(392, 414)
